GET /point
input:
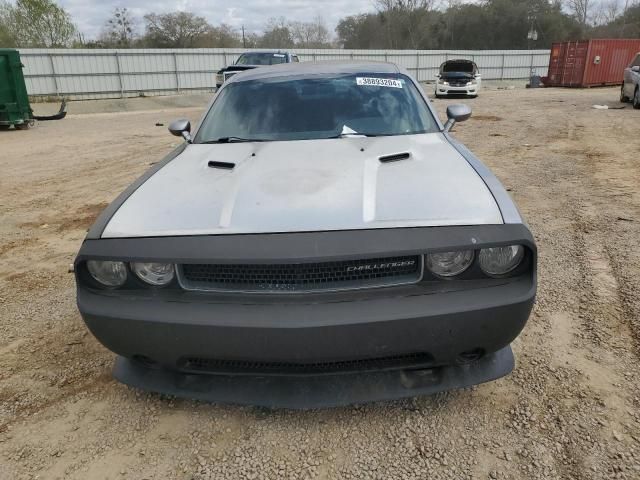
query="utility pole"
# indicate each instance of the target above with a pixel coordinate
(532, 35)
(244, 40)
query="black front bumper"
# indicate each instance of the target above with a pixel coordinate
(458, 332)
(447, 329)
(305, 392)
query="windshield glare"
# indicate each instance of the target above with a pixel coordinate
(315, 108)
(261, 59)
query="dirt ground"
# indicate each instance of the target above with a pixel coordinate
(570, 410)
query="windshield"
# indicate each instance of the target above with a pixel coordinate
(256, 58)
(317, 107)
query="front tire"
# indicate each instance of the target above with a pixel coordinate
(22, 126)
(636, 99)
(623, 97)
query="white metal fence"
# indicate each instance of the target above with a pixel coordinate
(86, 74)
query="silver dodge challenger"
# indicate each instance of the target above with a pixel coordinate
(319, 239)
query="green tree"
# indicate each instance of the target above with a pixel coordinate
(488, 24)
(38, 24)
(7, 38)
(174, 30)
(277, 34)
(361, 31)
(222, 36)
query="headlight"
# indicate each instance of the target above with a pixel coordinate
(449, 264)
(157, 274)
(472, 82)
(109, 274)
(500, 260)
(443, 82)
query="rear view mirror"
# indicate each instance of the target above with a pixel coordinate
(181, 128)
(456, 113)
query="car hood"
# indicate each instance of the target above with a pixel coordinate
(238, 68)
(456, 75)
(308, 185)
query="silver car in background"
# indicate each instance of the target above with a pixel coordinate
(631, 83)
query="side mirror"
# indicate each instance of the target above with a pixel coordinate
(456, 113)
(181, 128)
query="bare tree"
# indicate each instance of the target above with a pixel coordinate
(451, 6)
(404, 18)
(119, 30)
(310, 34)
(580, 9)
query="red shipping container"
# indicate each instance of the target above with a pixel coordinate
(590, 63)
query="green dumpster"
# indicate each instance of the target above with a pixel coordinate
(14, 102)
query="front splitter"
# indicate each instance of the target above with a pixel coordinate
(317, 391)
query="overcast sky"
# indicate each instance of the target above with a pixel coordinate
(90, 15)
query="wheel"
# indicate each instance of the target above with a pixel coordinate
(22, 126)
(636, 99)
(623, 97)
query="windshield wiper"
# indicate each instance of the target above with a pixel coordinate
(360, 134)
(351, 135)
(235, 140)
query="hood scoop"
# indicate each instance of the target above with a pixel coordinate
(396, 157)
(221, 165)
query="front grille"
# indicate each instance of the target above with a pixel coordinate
(302, 277)
(208, 365)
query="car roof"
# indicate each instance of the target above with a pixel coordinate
(315, 68)
(265, 51)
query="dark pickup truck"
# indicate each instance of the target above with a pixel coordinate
(250, 60)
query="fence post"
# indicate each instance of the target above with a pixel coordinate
(175, 71)
(53, 73)
(418, 65)
(502, 68)
(119, 75)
